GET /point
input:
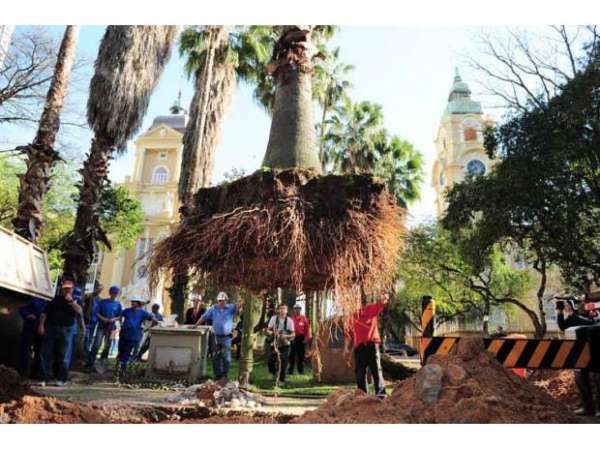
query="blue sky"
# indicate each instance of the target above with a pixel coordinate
(408, 70)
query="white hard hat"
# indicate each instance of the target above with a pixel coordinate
(137, 298)
(222, 296)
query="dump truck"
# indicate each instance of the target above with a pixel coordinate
(24, 273)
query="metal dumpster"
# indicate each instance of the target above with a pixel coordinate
(178, 352)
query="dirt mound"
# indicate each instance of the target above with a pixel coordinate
(560, 384)
(11, 386)
(41, 410)
(467, 386)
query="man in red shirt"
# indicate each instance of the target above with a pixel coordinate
(366, 340)
(302, 331)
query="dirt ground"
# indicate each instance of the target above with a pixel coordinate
(472, 387)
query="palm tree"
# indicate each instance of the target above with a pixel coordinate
(41, 155)
(401, 166)
(330, 87)
(350, 142)
(129, 64)
(292, 142)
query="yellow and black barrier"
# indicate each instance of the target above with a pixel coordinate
(510, 352)
(520, 352)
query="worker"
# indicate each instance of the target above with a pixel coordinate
(131, 332)
(568, 316)
(56, 322)
(146, 335)
(193, 314)
(77, 326)
(108, 314)
(30, 340)
(90, 308)
(366, 340)
(221, 315)
(302, 337)
(280, 331)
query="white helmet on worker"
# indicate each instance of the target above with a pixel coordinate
(222, 296)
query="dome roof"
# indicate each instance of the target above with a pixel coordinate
(459, 100)
(175, 121)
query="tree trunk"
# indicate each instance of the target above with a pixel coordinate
(540, 299)
(215, 83)
(292, 141)
(41, 155)
(178, 296)
(250, 317)
(322, 137)
(81, 245)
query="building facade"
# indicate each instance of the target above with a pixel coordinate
(459, 142)
(154, 182)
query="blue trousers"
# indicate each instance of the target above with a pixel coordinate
(57, 343)
(127, 347)
(88, 337)
(222, 357)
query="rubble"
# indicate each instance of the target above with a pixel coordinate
(11, 385)
(473, 388)
(218, 395)
(560, 384)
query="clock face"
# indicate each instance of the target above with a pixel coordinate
(476, 168)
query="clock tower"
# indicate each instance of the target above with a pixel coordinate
(459, 142)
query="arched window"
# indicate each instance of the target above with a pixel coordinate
(470, 134)
(160, 176)
(471, 129)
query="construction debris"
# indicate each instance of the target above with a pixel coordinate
(218, 395)
(467, 386)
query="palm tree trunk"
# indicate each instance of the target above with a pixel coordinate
(251, 310)
(215, 83)
(292, 136)
(322, 137)
(81, 247)
(41, 155)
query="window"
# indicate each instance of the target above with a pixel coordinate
(162, 156)
(476, 168)
(470, 134)
(161, 175)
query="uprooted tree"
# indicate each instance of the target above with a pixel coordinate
(286, 225)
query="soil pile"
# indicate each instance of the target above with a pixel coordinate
(42, 410)
(11, 385)
(467, 386)
(560, 384)
(217, 394)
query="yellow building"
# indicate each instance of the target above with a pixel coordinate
(459, 142)
(154, 182)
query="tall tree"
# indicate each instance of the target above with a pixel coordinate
(354, 130)
(216, 55)
(330, 87)
(129, 64)
(41, 155)
(292, 138)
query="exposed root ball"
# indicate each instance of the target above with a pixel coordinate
(290, 229)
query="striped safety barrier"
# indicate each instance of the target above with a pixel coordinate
(510, 352)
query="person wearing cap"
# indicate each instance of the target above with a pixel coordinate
(221, 316)
(366, 340)
(131, 332)
(302, 337)
(108, 313)
(90, 308)
(281, 333)
(193, 314)
(30, 340)
(55, 326)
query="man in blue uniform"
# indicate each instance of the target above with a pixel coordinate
(131, 332)
(221, 315)
(108, 313)
(30, 340)
(90, 309)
